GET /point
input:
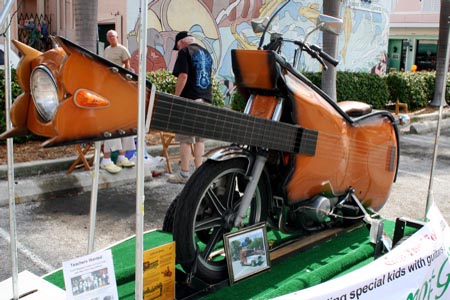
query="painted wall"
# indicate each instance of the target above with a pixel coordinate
(114, 12)
(224, 25)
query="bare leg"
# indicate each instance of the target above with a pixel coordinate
(185, 156)
(199, 150)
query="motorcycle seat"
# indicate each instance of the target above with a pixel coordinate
(355, 108)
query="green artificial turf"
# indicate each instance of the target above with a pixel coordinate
(332, 258)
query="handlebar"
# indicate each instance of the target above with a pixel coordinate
(314, 51)
(325, 55)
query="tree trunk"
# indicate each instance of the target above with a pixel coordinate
(441, 72)
(86, 27)
(331, 8)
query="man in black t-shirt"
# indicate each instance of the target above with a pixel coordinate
(193, 69)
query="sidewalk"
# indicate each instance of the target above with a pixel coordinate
(35, 181)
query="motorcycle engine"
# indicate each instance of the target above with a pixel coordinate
(318, 209)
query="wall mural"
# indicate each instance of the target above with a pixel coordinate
(220, 26)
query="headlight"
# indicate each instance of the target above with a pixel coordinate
(44, 92)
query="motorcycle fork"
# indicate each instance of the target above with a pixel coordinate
(258, 166)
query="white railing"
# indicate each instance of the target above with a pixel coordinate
(5, 20)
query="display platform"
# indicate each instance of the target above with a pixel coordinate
(333, 256)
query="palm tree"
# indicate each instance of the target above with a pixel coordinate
(332, 8)
(86, 28)
(441, 72)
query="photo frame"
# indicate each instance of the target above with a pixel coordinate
(247, 252)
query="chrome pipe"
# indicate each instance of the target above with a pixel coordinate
(10, 150)
(140, 196)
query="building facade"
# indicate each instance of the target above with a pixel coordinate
(413, 34)
(378, 34)
(35, 20)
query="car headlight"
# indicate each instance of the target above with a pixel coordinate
(44, 92)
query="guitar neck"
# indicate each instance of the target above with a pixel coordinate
(183, 116)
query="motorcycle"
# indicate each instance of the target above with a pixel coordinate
(323, 164)
(299, 162)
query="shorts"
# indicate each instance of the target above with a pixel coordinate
(121, 144)
(187, 138)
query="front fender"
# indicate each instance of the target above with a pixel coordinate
(230, 152)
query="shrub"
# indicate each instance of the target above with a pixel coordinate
(410, 87)
(15, 91)
(237, 101)
(364, 87)
(165, 82)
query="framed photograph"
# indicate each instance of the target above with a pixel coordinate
(247, 252)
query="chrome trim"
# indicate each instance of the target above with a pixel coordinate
(50, 74)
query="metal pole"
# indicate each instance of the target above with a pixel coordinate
(438, 132)
(94, 197)
(10, 149)
(5, 11)
(140, 197)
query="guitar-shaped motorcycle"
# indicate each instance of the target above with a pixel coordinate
(299, 162)
(335, 165)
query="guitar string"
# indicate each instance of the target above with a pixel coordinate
(278, 139)
(356, 152)
(353, 156)
(357, 142)
(306, 137)
(282, 138)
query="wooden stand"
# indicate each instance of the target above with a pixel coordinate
(81, 160)
(168, 140)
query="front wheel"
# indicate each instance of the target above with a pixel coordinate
(206, 210)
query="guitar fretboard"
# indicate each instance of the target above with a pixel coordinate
(183, 116)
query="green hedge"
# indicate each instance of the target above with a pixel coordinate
(15, 91)
(415, 89)
(364, 87)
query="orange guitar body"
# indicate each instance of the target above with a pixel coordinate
(359, 153)
(362, 155)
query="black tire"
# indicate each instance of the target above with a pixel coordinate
(170, 216)
(201, 222)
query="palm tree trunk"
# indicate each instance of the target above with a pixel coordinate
(441, 72)
(86, 27)
(332, 8)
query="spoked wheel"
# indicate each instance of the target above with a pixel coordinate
(206, 210)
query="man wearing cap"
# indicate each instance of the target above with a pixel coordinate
(193, 69)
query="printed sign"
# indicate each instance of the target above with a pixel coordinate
(90, 277)
(159, 272)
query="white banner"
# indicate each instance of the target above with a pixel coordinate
(417, 269)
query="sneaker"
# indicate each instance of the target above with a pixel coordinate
(125, 163)
(177, 178)
(111, 168)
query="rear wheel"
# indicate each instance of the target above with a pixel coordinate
(206, 210)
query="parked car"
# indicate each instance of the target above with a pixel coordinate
(250, 257)
(13, 57)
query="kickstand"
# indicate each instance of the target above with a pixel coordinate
(383, 243)
(191, 274)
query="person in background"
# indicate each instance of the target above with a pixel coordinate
(119, 55)
(193, 69)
